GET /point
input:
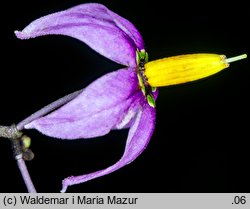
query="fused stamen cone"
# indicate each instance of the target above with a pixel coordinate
(185, 68)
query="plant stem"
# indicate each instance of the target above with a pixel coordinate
(11, 133)
(26, 176)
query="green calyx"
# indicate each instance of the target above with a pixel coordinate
(141, 84)
(141, 59)
(151, 100)
(141, 55)
(153, 89)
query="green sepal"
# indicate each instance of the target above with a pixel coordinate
(141, 54)
(151, 100)
(137, 57)
(153, 89)
(143, 89)
(144, 55)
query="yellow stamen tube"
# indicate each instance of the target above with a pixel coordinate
(185, 68)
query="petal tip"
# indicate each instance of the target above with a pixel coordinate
(65, 185)
(63, 190)
(20, 34)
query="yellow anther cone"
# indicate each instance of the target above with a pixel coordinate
(185, 68)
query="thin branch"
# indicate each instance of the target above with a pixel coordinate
(11, 133)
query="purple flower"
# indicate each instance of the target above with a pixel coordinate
(121, 99)
(117, 100)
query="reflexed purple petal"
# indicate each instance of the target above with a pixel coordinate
(138, 138)
(106, 32)
(94, 112)
(128, 28)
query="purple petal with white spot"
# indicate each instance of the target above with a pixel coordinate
(103, 30)
(109, 102)
(138, 138)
